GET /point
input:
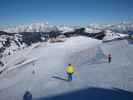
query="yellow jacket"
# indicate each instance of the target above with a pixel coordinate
(69, 69)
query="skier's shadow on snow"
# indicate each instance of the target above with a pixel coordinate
(93, 93)
(59, 78)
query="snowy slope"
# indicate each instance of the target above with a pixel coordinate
(91, 70)
(45, 54)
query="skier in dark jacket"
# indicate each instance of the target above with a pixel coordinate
(109, 58)
(27, 96)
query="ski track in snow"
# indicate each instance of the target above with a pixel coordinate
(91, 70)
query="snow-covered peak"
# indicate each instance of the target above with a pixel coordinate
(35, 27)
(110, 35)
(92, 30)
(64, 28)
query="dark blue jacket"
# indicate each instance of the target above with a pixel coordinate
(27, 96)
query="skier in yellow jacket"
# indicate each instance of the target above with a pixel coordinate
(69, 70)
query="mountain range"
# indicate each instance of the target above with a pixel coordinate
(123, 27)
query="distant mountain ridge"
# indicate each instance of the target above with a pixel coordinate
(123, 27)
(37, 27)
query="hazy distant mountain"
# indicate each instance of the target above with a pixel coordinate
(123, 27)
(38, 27)
(35, 27)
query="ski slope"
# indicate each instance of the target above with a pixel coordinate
(88, 56)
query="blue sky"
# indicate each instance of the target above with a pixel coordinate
(71, 12)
